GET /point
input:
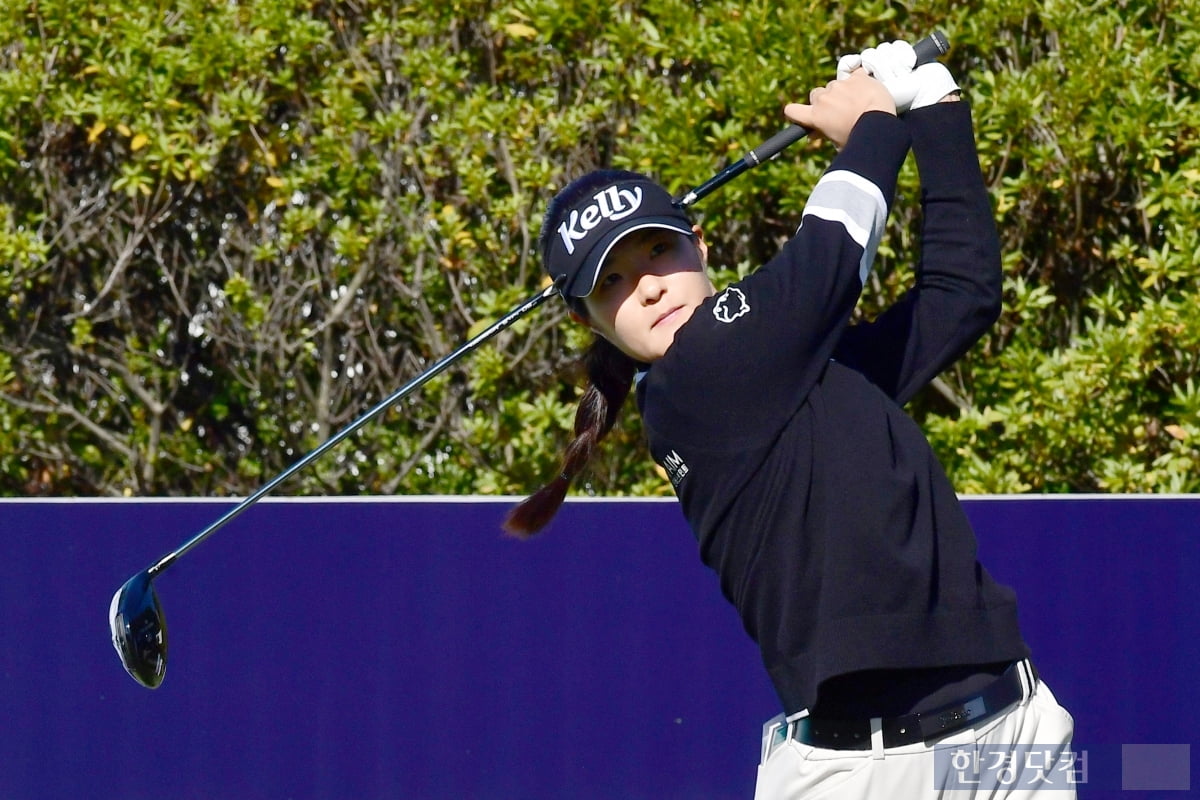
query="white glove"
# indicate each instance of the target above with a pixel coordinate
(891, 63)
(933, 82)
(924, 86)
(888, 60)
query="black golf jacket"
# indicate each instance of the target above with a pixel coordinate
(815, 498)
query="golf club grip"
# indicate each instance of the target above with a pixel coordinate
(927, 49)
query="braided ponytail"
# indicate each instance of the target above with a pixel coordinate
(610, 376)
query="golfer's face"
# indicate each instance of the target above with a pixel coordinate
(651, 283)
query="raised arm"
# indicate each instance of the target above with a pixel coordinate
(764, 341)
(957, 293)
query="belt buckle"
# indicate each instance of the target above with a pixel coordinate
(943, 722)
(951, 720)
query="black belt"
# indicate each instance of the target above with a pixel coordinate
(840, 734)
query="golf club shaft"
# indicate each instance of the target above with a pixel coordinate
(927, 49)
(417, 382)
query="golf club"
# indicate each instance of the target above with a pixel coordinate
(139, 630)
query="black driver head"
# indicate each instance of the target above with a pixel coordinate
(139, 631)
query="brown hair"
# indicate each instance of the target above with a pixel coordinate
(610, 376)
(609, 371)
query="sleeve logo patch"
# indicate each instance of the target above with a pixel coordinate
(731, 305)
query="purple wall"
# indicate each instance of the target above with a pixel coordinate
(385, 649)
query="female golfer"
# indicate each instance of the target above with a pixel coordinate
(817, 501)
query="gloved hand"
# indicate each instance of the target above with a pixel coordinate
(932, 82)
(891, 63)
(888, 60)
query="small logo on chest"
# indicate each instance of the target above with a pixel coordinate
(731, 305)
(676, 469)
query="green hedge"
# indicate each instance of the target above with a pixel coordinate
(228, 229)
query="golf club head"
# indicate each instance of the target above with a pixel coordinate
(139, 631)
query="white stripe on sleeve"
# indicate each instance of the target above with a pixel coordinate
(856, 204)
